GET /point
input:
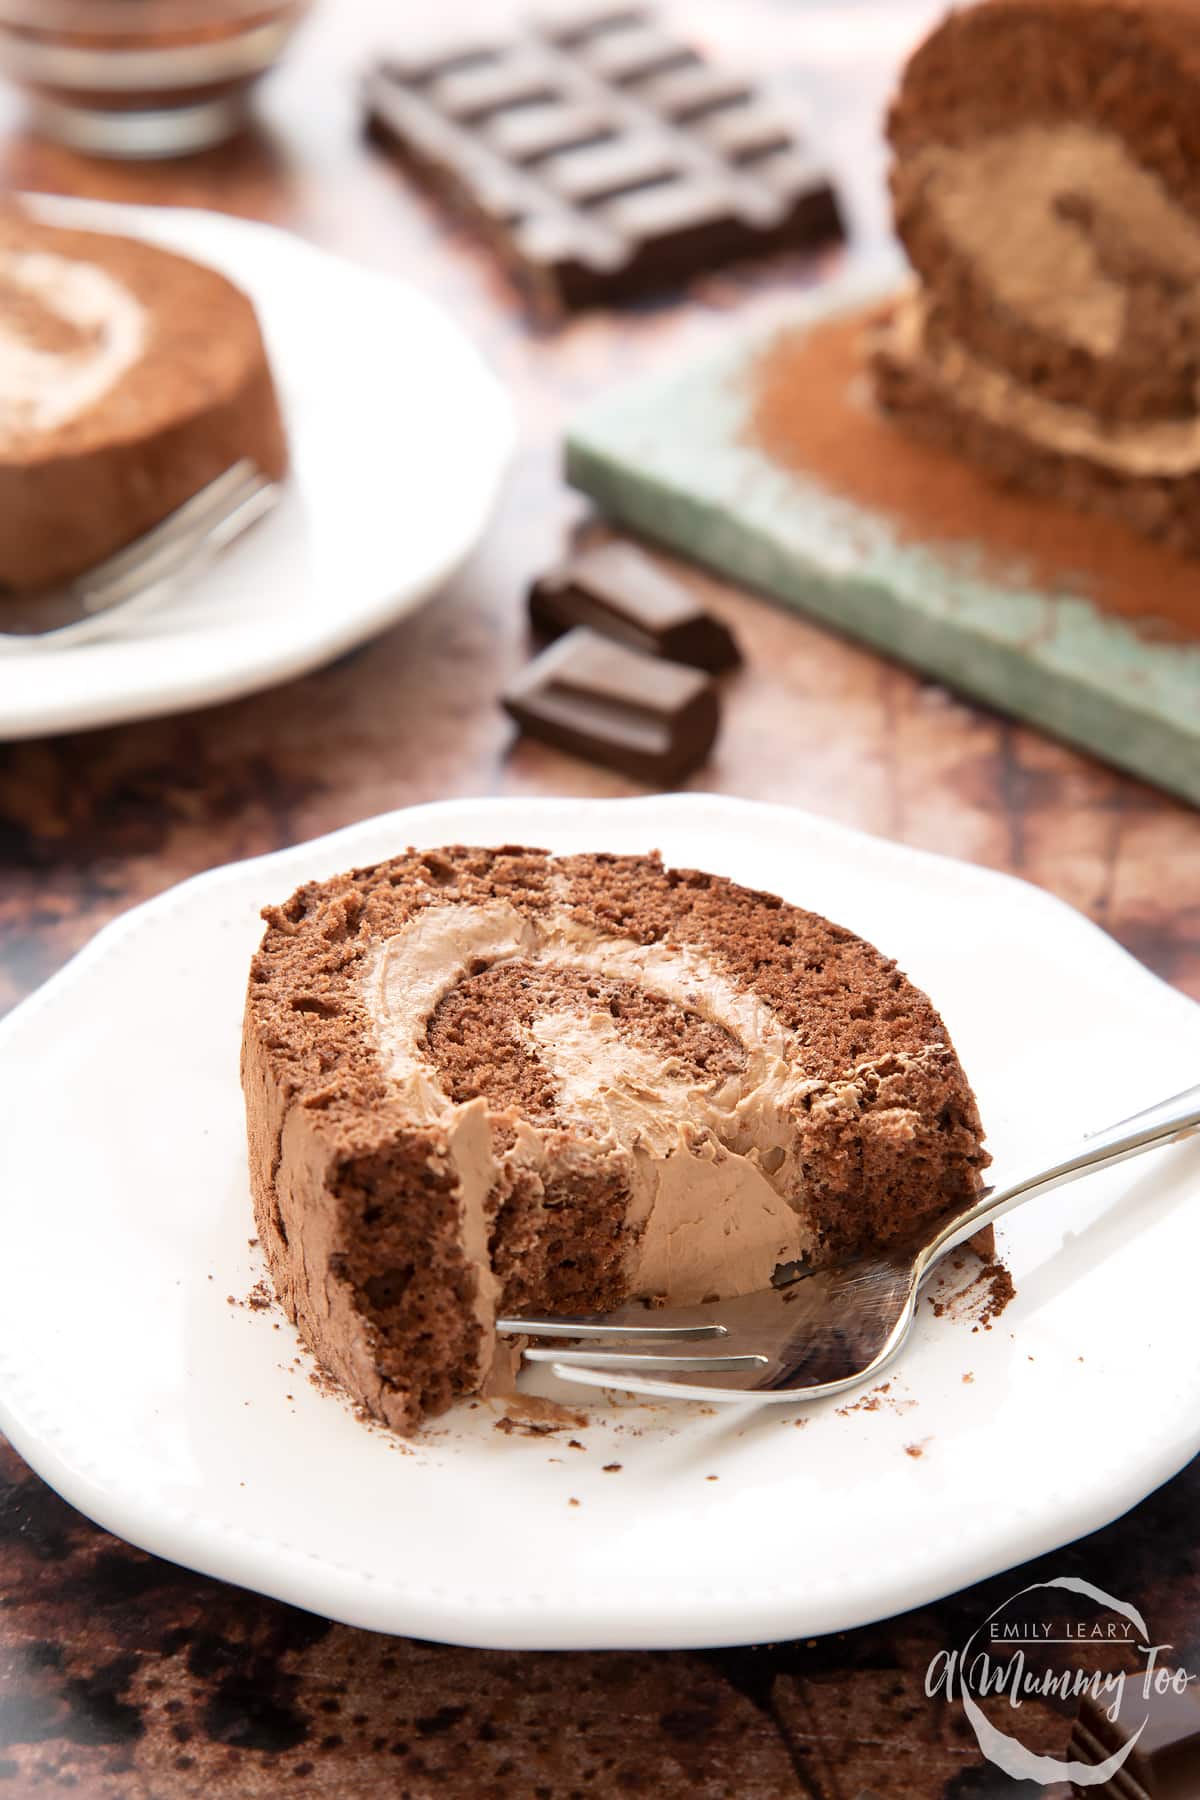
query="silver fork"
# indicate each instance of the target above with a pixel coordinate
(144, 574)
(822, 1333)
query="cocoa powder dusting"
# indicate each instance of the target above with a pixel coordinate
(811, 411)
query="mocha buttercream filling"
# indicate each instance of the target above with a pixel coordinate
(69, 332)
(712, 1164)
(1053, 216)
(1168, 447)
(1056, 220)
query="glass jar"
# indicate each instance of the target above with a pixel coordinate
(142, 78)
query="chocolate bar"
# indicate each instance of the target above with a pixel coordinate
(586, 694)
(1164, 1764)
(619, 591)
(601, 156)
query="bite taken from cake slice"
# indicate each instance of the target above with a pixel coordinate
(485, 1079)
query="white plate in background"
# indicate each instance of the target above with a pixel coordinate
(183, 1424)
(400, 437)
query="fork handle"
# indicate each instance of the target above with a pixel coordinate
(1168, 1122)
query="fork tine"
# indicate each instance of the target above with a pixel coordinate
(648, 1360)
(666, 1388)
(135, 566)
(603, 1329)
(254, 503)
(211, 530)
(671, 1387)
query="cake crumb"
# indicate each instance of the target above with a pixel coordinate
(872, 1402)
(260, 1297)
(969, 1376)
(868, 1403)
(613, 1468)
(915, 1450)
(535, 1409)
(1000, 1289)
(572, 1501)
(717, 1477)
(574, 1444)
(525, 1427)
(981, 1299)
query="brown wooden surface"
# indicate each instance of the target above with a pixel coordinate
(120, 1675)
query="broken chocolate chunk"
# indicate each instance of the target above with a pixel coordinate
(619, 591)
(650, 719)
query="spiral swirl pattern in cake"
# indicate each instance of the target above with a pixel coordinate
(1046, 186)
(485, 1078)
(130, 378)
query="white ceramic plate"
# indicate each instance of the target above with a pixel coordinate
(181, 1422)
(400, 437)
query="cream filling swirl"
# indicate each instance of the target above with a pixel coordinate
(717, 1191)
(1009, 202)
(1057, 219)
(1169, 448)
(42, 389)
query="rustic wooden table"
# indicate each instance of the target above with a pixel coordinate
(123, 1676)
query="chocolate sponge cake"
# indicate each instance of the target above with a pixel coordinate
(129, 379)
(483, 1078)
(1046, 186)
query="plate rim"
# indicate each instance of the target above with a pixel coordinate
(702, 1616)
(285, 662)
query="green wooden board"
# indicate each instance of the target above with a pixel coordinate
(667, 458)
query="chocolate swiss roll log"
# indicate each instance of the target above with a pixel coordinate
(129, 379)
(1046, 186)
(480, 1079)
